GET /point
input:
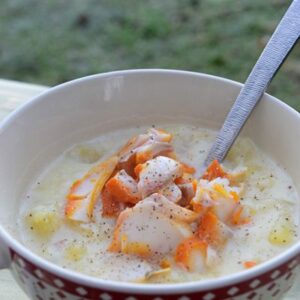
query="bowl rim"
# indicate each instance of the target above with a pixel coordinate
(128, 287)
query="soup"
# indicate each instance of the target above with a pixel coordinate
(143, 212)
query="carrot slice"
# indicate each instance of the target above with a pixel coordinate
(165, 263)
(214, 170)
(237, 218)
(123, 188)
(138, 169)
(110, 207)
(164, 135)
(188, 169)
(208, 229)
(195, 184)
(186, 249)
(235, 196)
(250, 264)
(142, 157)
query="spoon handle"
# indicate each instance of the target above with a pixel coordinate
(277, 49)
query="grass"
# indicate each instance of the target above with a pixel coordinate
(52, 41)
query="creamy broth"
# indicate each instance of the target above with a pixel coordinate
(269, 195)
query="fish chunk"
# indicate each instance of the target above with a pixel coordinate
(217, 196)
(172, 192)
(213, 231)
(123, 188)
(153, 226)
(83, 194)
(156, 173)
(151, 150)
(146, 146)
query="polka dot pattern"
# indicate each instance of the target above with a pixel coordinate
(81, 291)
(184, 298)
(57, 282)
(105, 296)
(40, 284)
(233, 291)
(209, 296)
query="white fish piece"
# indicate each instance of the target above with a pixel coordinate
(126, 190)
(225, 203)
(156, 173)
(218, 196)
(84, 193)
(197, 261)
(161, 204)
(172, 192)
(130, 147)
(152, 149)
(191, 255)
(187, 192)
(212, 257)
(153, 226)
(154, 141)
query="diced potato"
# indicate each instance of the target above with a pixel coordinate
(75, 252)
(282, 233)
(243, 149)
(43, 223)
(265, 183)
(84, 154)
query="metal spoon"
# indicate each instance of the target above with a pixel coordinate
(278, 48)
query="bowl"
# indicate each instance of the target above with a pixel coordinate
(41, 129)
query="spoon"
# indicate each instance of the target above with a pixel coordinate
(277, 49)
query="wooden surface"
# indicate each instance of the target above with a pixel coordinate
(12, 94)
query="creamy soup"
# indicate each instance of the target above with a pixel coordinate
(145, 216)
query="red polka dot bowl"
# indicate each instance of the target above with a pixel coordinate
(81, 109)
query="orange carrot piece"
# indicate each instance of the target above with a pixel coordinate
(184, 249)
(250, 264)
(180, 180)
(142, 157)
(195, 184)
(188, 169)
(208, 229)
(197, 207)
(138, 169)
(237, 218)
(71, 195)
(165, 263)
(115, 245)
(95, 178)
(214, 170)
(71, 207)
(120, 192)
(167, 136)
(235, 196)
(110, 207)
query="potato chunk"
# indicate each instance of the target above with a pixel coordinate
(43, 223)
(282, 234)
(75, 252)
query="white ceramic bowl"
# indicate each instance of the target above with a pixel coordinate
(84, 108)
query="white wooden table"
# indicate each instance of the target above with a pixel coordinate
(12, 94)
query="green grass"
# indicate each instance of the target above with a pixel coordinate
(52, 41)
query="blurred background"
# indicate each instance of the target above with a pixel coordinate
(53, 41)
